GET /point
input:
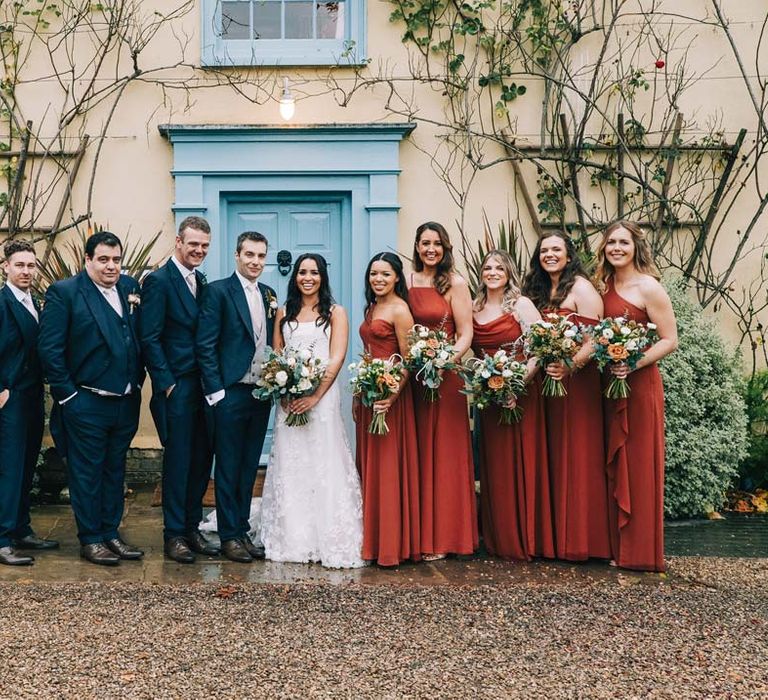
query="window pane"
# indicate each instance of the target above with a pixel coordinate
(298, 20)
(330, 20)
(266, 19)
(235, 20)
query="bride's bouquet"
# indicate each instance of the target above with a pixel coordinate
(494, 380)
(374, 379)
(554, 338)
(289, 374)
(430, 353)
(621, 340)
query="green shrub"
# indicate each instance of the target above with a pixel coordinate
(706, 421)
(754, 469)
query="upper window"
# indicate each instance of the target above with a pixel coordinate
(284, 32)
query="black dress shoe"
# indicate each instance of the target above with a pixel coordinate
(176, 548)
(197, 543)
(123, 550)
(257, 552)
(10, 558)
(35, 542)
(99, 553)
(234, 550)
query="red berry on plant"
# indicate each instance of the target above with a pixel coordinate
(660, 64)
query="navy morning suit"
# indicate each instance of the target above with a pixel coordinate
(225, 349)
(84, 343)
(22, 417)
(169, 313)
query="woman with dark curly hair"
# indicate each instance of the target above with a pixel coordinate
(440, 298)
(557, 283)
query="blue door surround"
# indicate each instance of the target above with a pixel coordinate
(214, 165)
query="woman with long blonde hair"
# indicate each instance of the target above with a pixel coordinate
(515, 500)
(629, 282)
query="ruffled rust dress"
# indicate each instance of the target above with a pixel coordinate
(635, 457)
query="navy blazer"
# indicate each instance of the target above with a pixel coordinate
(225, 343)
(168, 325)
(77, 343)
(19, 362)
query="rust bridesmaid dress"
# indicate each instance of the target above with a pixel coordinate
(577, 463)
(388, 466)
(446, 469)
(635, 458)
(515, 499)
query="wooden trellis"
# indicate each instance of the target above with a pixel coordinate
(730, 153)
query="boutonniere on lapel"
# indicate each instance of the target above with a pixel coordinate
(134, 300)
(271, 304)
(38, 299)
(203, 278)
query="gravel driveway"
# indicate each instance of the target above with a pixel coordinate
(701, 632)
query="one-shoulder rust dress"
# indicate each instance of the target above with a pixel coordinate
(635, 458)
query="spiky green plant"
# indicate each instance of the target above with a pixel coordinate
(69, 260)
(506, 238)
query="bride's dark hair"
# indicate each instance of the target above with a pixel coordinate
(293, 297)
(401, 289)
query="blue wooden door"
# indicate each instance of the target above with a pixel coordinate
(293, 226)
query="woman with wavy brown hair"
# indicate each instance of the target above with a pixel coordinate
(629, 282)
(515, 498)
(439, 297)
(557, 283)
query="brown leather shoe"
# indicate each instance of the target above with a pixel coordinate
(235, 551)
(99, 553)
(176, 548)
(197, 543)
(123, 550)
(257, 552)
(34, 542)
(10, 558)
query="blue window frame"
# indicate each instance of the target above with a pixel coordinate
(283, 32)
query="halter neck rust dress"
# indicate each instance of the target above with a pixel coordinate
(577, 462)
(446, 469)
(388, 466)
(515, 501)
(635, 456)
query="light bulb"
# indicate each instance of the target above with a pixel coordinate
(287, 103)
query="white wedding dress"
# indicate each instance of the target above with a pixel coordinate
(311, 508)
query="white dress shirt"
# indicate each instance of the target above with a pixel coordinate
(258, 321)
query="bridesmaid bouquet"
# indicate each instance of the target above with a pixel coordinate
(290, 374)
(494, 380)
(429, 354)
(554, 338)
(374, 379)
(621, 340)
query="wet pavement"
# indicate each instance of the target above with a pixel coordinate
(738, 536)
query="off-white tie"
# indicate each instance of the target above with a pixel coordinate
(29, 306)
(192, 283)
(114, 300)
(253, 306)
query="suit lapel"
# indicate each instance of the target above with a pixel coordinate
(182, 288)
(237, 293)
(98, 306)
(27, 324)
(268, 312)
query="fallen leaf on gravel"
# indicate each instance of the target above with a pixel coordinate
(226, 592)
